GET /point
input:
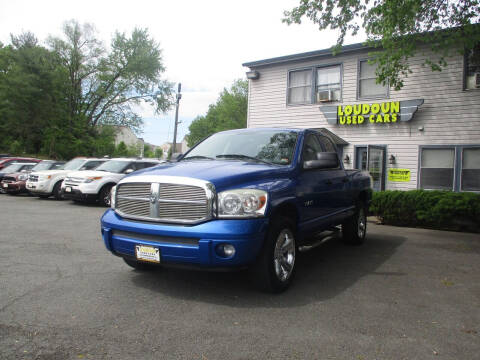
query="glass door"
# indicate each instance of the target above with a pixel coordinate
(376, 166)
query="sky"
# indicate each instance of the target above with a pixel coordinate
(204, 43)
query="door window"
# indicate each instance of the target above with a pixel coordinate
(311, 147)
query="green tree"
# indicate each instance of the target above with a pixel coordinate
(229, 112)
(158, 153)
(147, 151)
(105, 86)
(396, 28)
(121, 149)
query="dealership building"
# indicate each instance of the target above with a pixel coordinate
(424, 136)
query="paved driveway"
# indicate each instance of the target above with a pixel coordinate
(405, 294)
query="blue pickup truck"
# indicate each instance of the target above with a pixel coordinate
(240, 198)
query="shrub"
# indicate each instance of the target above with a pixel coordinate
(432, 209)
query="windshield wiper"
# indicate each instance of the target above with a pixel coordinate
(242, 157)
(198, 157)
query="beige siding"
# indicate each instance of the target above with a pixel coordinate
(449, 116)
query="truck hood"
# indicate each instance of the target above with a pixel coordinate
(221, 173)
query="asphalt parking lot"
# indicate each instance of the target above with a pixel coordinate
(405, 294)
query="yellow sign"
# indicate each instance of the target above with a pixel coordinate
(385, 112)
(401, 175)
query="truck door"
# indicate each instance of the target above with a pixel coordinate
(319, 191)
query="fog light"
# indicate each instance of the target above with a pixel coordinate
(225, 250)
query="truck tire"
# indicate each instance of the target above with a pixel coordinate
(57, 191)
(354, 229)
(274, 268)
(141, 266)
(104, 196)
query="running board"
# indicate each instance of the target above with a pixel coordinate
(320, 238)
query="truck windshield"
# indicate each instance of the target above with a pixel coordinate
(73, 164)
(270, 146)
(115, 166)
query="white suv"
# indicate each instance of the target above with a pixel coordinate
(96, 184)
(47, 183)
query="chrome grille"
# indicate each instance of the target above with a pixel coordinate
(9, 179)
(135, 190)
(73, 181)
(33, 178)
(165, 202)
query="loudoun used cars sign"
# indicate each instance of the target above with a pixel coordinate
(373, 113)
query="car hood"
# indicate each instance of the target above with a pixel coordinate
(15, 174)
(91, 173)
(221, 173)
(51, 172)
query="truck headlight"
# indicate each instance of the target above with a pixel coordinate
(113, 194)
(22, 177)
(243, 203)
(91, 179)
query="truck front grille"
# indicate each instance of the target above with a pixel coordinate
(164, 202)
(9, 179)
(33, 178)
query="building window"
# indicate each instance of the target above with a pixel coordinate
(328, 84)
(437, 169)
(300, 87)
(367, 82)
(472, 68)
(470, 180)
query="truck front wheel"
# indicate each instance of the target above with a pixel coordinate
(274, 268)
(354, 229)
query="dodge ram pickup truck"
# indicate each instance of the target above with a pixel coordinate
(240, 198)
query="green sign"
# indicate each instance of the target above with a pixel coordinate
(400, 175)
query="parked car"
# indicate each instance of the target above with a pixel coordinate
(15, 183)
(48, 182)
(5, 161)
(10, 169)
(241, 198)
(95, 185)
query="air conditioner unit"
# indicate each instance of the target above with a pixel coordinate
(324, 96)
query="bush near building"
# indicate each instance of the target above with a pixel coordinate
(444, 210)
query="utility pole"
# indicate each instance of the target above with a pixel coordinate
(179, 96)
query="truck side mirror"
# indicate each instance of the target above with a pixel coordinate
(325, 160)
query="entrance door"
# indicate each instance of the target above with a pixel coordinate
(376, 165)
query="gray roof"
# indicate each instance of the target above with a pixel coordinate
(306, 55)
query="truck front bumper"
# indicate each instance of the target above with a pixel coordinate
(187, 245)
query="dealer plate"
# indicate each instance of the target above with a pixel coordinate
(147, 253)
(68, 189)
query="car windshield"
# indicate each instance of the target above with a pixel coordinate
(43, 165)
(11, 168)
(269, 146)
(115, 166)
(73, 164)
